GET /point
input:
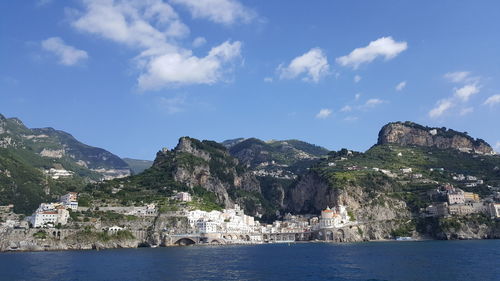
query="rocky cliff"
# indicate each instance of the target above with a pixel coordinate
(409, 133)
(203, 166)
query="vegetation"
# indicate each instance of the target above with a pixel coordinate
(40, 234)
(22, 179)
(89, 235)
(404, 230)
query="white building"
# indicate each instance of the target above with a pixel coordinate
(471, 178)
(115, 229)
(406, 170)
(59, 173)
(206, 226)
(49, 218)
(336, 217)
(456, 197)
(70, 200)
(184, 197)
(227, 221)
(494, 210)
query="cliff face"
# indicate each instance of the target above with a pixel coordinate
(208, 165)
(409, 133)
(314, 193)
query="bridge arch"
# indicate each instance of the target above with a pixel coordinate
(339, 235)
(185, 242)
(329, 235)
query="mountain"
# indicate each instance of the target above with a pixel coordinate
(36, 164)
(409, 133)
(290, 157)
(138, 166)
(385, 187)
(203, 168)
(389, 184)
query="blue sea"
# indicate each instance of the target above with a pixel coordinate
(429, 260)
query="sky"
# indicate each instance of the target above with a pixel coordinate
(132, 76)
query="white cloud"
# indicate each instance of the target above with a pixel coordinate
(153, 28)
(323, 113)
(493, 100)
(383, 47)
(346, 108)
(357, 96)
(219, 11)
(442, 107)
(401, 86)
(357, 78)
(457, 77)
(313, 65)
(466, 92)
(268, 79)
(466, 111)
(68, 55)
(180, 69)
(373, 102)
(199, 41)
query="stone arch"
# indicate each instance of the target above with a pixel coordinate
(185, 242)
(242, 237)
(339, 235)
(329, 235)
(299, 236)
(247, 237)
(215, 241)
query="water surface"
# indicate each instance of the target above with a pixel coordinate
(430, 260)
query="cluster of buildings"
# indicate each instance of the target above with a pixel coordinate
(449, 200)
(52, 214)
(148, 210)
(234, 222)
(225, 221)
(58, 173)
(469, 181)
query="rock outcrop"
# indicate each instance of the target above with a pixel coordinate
(409, 133)
(209, 165)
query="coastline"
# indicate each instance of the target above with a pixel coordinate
(97, 246)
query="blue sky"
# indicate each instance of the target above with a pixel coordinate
(133, 76)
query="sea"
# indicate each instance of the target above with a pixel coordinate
(408, 260)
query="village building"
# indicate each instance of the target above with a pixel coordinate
(183, 196)
(335, 217)
(70, 200)
(43, 218)
(437, 209)
(456, 197)
(114, 229)
(494, 210)
(471, 197)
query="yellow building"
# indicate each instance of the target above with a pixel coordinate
(471, 197)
